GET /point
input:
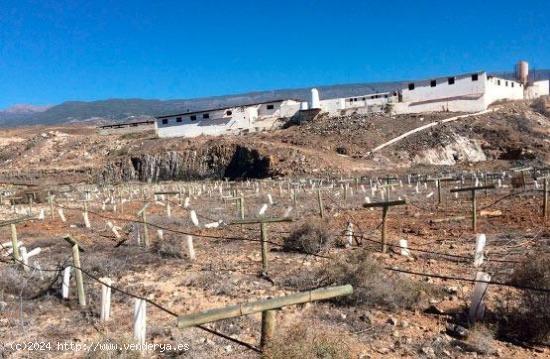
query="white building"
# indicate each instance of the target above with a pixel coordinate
(232, 120)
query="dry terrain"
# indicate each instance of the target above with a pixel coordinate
(403, 305)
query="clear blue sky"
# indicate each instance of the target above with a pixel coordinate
(52, 51)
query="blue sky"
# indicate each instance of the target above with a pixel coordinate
(53, 51)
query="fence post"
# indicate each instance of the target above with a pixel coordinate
(268, 329)
(263, 234)
(320, 201)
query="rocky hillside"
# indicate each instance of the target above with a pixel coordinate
(514, 134)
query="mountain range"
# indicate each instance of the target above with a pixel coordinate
(117, 110)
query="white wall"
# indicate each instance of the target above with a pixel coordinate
(219, 122)
(537, 89)
(498, 89)
(233, 120)
(358, 104)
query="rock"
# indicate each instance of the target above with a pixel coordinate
(404, 324)
(392, 321)
(470, 347)
(429, 352)
(433, 309)
(456, 331)
(367, 318)
(3, 306)
(228, 348)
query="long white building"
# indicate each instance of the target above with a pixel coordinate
(232, 120)
(472, 92)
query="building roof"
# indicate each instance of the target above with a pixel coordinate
(226, 107)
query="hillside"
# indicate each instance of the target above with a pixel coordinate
(123, 109)
(513, 135)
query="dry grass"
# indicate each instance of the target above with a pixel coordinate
(312, 237)
(530, 319)
(311, 340)
(372, 285)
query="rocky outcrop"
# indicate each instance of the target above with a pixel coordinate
(212, 162)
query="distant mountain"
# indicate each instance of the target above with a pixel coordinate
(115, 110)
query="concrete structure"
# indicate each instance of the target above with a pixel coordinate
(231, 120)
(537, 89)
(472, 92)
(128, 127)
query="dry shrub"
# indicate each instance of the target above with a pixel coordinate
(14, 280)
(218, 283)
(530, 320)
(310, 340)
(372, 285)
(168, 249)
(312, 238)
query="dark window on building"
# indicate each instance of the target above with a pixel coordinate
(270, 107)
(506, 83)
(451, 80)
(433, 83)
(134, 124)
(228, 112)
(411, 86)
(474, 77)
(363, 99)
(498, 82)
(165, 121)
(386, 96)
(178, 119)
(193, 118)
(512, 84)
(205, 115)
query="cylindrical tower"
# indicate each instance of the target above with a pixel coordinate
(315, 103)
(523, 72)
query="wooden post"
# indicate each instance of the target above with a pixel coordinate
(473, 190)
(77, 271)
(241, 206)
(14, 243)
(233, 311)
(320, 201)
(263, 234)
(545, 201)
(145, 229)
(385, 208)
(268, 328)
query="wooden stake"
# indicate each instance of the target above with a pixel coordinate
(263, 235)
(320, 202)
(385, 208)
(268, 329)
(190, 247)
(474, 202)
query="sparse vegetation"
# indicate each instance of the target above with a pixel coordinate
(311, 340)
(312, 237)
(530, 318)
(372, 285)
